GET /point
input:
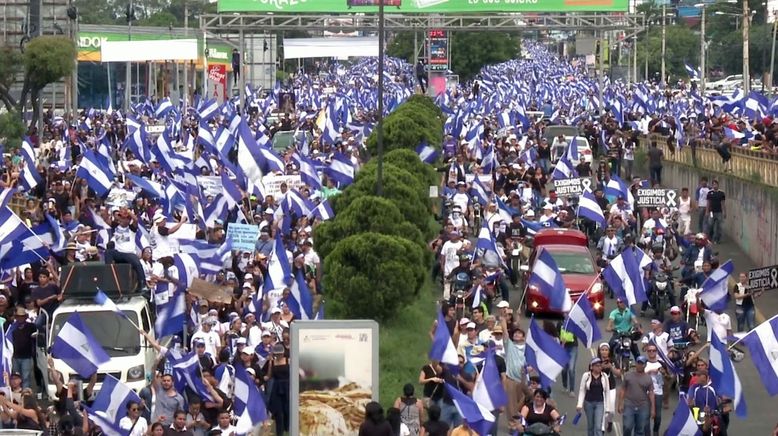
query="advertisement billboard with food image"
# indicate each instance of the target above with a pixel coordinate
(337, 367)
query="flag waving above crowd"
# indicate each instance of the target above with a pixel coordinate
(200, 228)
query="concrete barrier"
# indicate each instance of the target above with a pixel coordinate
(752, 209)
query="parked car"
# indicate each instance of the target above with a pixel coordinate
(728, 82)
(570, 250)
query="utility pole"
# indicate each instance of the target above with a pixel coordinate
(73, 16)
(635, 57)
(186, 63)
(128, 67)
(746, 26)
(379, 184)
(601, 54)
(664, 39)
(702, 53)
(772, 56)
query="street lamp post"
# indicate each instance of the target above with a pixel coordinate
(664, 39)
(702, 53)
(128, 67)
(772, 55)
(746, 25)
(379, 188)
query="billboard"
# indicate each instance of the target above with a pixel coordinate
(334, 375)
(424, 6)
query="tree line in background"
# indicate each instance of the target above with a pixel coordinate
(723, 32)
(468, 51)
(45, 60)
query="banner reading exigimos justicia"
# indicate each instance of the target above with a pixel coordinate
(424, 6)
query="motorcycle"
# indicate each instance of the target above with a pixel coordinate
(476, 215)
(691, 308)
(515, 258)
(660, 294)
(623, 350)
(712, 419)
(736, 353)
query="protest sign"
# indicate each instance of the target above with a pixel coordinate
(656, 197)
(764, 278)
(212, 185)
(243, 236)
(272, 184)
(572, 186)
(211, 292)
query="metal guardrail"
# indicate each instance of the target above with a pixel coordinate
(754, 166)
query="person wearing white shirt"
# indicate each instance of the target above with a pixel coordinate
(461, 197)
(133, 424)
(685, 212)
(548, 214)
(654, 369)
(254, 331)
(449, 259)
(659, 337)
(621, 209)
(208, 336)
(224, 426)
(718, 323)
(655, 221)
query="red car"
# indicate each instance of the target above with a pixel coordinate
(570, 251)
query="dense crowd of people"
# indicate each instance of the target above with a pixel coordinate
(499, 178)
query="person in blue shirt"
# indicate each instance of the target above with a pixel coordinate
(696, 279)
(692, 254)
(702, 395)
(676, 327)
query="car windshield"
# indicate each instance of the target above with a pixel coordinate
(572, 263)
(117, 336)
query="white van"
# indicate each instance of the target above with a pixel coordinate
(131, 357)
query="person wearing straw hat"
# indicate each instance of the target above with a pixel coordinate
(69, 256)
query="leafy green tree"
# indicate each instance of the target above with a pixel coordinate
(682, 45)
(366, 214)
(11, 130)
(402, 130)
(10, 66)
(470, 51)
(46, 60)
(372, 276)
(397, 189)
(409, 161)
(427, 103)
(413, 122)
(404, 176)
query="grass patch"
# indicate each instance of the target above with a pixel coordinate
(404, 345)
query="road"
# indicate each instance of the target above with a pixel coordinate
(761, 408)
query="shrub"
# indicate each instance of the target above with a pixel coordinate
(365, 214)
(372, 276)
(399, 187)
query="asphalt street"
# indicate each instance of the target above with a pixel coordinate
(762, 416)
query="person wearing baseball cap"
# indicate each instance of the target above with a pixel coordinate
(676, 326)
(592, 396)
(636, 398)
